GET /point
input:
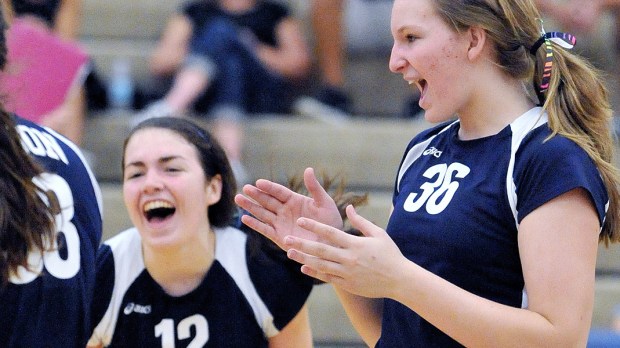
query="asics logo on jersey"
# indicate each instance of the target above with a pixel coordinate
(136, 308)
(432, 152)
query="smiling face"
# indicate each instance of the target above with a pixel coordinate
(165, 189)
(432, 56)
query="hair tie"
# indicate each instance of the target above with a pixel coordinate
(562, 39)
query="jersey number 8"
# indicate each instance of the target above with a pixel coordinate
(63, 268)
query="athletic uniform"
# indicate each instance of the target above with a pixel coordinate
(222, 44)
(50, 305)
(457, 205)
(246, 296)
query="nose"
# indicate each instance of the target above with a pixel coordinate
(152, 182)
(397, 63)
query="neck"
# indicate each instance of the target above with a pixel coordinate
(181, 270)
(494, 108)
(236, 6)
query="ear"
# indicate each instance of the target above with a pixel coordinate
(477, 42)
(214, 190)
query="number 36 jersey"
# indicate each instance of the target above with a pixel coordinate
(457, 206)
(49, 305)
(247, 296)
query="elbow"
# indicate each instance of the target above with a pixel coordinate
(301, 69)
(157, 68)
(164, 66)
(564, 337)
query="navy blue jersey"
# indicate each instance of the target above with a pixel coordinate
(457, 205)
(49, 306)
(245, 297)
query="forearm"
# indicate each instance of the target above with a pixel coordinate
(172, 48)
(454, 310)
(68, 118)
(364, 314)
(291, 57)
(287, 64)
(296, 333)
(68, 19)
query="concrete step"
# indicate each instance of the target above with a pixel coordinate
(138, 19)
(365, 151)
(607, 296)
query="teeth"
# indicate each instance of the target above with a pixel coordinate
(157, 204)
(411, 82)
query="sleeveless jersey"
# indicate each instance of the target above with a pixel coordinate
(246, 296)
(457, 206)
(44, 9)
(262, 20)
(50, 305)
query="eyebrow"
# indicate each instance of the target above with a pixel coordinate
(407, 27)
(161, 160)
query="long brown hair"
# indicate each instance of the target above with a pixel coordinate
(576, 101)
(26, 222)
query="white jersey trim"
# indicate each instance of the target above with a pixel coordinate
(415, 152)
(228, 241)
(123, 248)
(520, 127)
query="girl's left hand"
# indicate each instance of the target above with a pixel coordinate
(367, 266)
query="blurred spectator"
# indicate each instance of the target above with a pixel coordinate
(61, 17)
(596, 24)
(579, 15)
(337, 26)
(229, 59)
(326, 19)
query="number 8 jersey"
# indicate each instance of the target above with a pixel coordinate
(457, 205)
(49, 305)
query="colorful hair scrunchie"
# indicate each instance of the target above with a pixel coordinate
(564, 40)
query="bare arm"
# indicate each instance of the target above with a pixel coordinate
(291, 56)
(558, 245)
(7, 10)
(296, 333)
(172, 46)
(68, 19)
(364, 313)
(68, 118)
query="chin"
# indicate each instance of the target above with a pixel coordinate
(158, 238)
(434, 117)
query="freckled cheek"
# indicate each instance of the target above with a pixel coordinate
(450, 51)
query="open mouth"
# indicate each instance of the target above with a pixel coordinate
(158, 211)
(422, 85)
